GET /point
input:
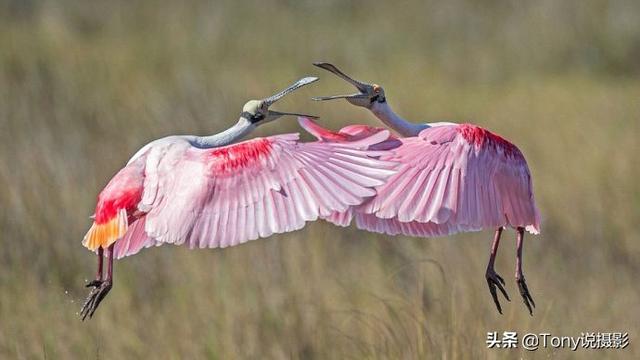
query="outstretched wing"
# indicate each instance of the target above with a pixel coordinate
(355, 136)
(454, 178)
(225, 196)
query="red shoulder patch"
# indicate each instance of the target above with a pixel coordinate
(483, 138)
(330, 135)
(362, 131)
(228, 159)
(319, 132)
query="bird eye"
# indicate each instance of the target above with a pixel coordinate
(258, 116)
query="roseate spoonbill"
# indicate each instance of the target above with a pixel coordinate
(202, 192)
(453, 178)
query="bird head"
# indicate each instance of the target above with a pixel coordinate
(367, 94)
(257, 112)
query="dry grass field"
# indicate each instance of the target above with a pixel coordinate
(84, 84)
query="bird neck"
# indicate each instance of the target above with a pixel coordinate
(229, 136)
(405, 128)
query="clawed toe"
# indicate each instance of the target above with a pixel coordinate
(526, 296)
(496, 281)
(88, 303)
(97, 294)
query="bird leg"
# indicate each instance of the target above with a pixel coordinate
(522, 285)
(100, 287)
(95, 283)
(493, 279)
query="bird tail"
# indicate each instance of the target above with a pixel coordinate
(105, 234)
(535, 227)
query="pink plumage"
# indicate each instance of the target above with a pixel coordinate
(210, 192)
(452, 178)
(176, 193)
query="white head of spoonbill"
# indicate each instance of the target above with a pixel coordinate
(257, 111)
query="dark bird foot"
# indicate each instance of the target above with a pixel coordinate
(97, 294)
(496, 281)
(526, 296)
(94, 283)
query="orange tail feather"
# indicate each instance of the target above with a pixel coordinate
(103, 235)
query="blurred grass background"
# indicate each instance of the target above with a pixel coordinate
(83, 85)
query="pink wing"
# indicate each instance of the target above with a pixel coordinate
(134, 240)
(453, 178)
(226, 196)
(355, 136)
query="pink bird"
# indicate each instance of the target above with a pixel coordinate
(203, 192)
(453, 178)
